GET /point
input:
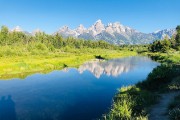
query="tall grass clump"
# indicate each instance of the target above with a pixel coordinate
(130, 103)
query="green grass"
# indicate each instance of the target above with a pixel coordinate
(28, 62)
(134, 102)
(131, 103)
(170, 57)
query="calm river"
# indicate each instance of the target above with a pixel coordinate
(83, 93)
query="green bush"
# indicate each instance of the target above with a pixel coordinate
(11, 51)
(175, 84)
(41, 46)
(160, 77)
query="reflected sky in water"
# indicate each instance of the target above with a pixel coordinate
(84, 93)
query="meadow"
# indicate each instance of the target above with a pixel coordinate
(24, 63)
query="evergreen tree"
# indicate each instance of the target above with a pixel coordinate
(4, 35)
(178, 36)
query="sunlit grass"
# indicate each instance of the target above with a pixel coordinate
(170, 57)
(130, 103)
(28, 63)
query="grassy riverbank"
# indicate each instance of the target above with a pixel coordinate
(23, 54)
(134, 102)
(22, 65)
(170, 57)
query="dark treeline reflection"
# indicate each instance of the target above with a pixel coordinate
(7, 108)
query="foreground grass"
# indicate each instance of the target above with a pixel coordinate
(27, 63)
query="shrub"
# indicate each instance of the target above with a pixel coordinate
(175, 84)
(10, 51)
(174, 114)
(160, 77)
(41, 46)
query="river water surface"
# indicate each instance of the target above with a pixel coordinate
(83, 93)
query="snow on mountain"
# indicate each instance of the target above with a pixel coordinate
(98, 27)
(110, 68)
(19, 29)
(114, 33)
(66, 32)
(81, 29)
(161, 34)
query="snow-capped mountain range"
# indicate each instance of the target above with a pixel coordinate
(161, 34)
(114, 33)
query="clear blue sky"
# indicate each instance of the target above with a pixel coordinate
(50, 15)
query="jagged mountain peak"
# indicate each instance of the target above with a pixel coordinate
(116, 24)
(65, 31)
(19, 29)
(80, 30)
(161, 34)
(157, 31)
(98, 27)
(81, 27)
(98, 21)
(109, 25)
(115, 33)
(64, 28)
(165, 30)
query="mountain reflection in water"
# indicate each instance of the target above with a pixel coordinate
(83, 93)
(113, 67)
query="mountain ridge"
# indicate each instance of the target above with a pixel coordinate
(114, 33)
